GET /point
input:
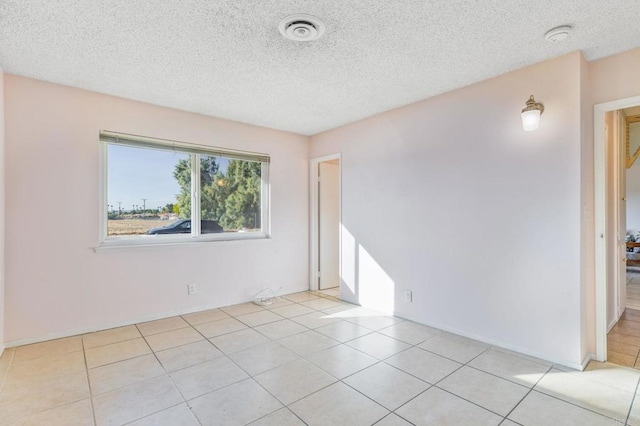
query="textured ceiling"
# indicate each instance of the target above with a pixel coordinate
(226, 58)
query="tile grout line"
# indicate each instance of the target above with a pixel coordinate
(528, 392)
(635, 395)
(86, 367)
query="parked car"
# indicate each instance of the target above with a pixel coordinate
(183, 226)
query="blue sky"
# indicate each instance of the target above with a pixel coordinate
(137, 173)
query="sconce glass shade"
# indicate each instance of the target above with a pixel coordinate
(530, 120)
(531, 115)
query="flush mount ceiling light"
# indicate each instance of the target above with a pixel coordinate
(301, 27)
(558, 33)
(531, 114)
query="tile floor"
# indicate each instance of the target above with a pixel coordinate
(308, 359)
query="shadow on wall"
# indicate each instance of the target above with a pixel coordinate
(363, 280)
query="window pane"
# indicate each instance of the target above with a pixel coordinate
(146, 191)
(230, 195)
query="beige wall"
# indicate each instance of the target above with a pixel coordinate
(56, 284)
(2, 178)
(451, 199)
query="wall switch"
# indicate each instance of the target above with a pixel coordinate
(408, 296)
(192, 289)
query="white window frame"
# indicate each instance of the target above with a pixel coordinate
(107, 137)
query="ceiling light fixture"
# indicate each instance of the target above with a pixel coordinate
(301, 27)
(531, 115)
(558, 34)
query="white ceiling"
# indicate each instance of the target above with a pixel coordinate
(226, 58)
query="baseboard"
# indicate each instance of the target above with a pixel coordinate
(84, 330)
(1, 348)
(499, 344)
(586, 360)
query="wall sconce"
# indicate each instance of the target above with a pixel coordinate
(531, 115)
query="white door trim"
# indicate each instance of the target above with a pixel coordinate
(313, 217)
(600, 217)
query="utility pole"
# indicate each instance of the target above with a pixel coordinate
(119, 207)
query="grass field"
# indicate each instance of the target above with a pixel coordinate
(133, 226)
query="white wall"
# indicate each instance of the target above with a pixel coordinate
(57, 285)
(2, 273)
(450, 198)
(612, 78)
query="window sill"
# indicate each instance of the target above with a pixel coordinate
(125, 243)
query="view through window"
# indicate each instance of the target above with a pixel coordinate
(150, 191)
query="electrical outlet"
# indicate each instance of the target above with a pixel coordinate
(408, 296)
(192, 289)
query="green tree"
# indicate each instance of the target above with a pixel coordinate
(232, 197)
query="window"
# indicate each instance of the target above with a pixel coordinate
(157, 191)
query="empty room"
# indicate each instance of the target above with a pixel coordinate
(319, 212)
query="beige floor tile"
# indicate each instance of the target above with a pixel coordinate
(634, 413)
(315, 319)
(27, 370)
(242, 309)
(113, 376)
(114, 335)
(136, 401)
(188, 355)
(374, 322)
(258, 318)
(341, 361)
(238, 341)
(541, 410)
(378, 345)
(308, 342)
(507, 422)
(437, 407)
(197, 318)
(78, 413)
(206, 377)
(179, 415)
(320, 304)
(51, 347)
(424, 365)
(279, 329)
(393, 420)
(387, 385)
(612, 375)
(115, 352)
(410, 332)
(282, 417)
(338, 404)
(510, 367)
(263, 357)
(18, 400)
(220, 327)
(292, 310)
(294, 380)
(238, 404)
(278, 303)
(606, 400)
(343, 331)
(161, 325)
(457, 348)
(488, 391)
(171, 339)
(301, 297)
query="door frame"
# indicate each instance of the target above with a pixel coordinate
(314, 218)
(601, 214)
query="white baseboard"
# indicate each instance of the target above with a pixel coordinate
(84, 330)
(540, 356)
(586, 360)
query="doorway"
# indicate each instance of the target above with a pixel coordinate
(325, 224)
(610, 220)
